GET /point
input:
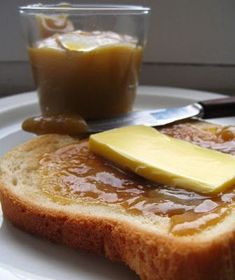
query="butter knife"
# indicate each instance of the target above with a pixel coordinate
(214, 108)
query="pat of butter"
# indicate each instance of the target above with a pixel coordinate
(166, 160)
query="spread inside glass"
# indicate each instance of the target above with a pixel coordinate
(73, 172)
(91, 74)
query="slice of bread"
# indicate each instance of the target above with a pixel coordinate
(36, 196)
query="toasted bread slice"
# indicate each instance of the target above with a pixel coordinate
(53, 187)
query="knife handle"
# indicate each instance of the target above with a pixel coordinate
(218, 108)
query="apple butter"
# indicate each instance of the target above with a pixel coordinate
(72, 125)
(73, 172)
(92, 74)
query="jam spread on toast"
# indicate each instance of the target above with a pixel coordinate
(73, 172)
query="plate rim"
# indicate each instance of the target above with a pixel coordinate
(27, 98)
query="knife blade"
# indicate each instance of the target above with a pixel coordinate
(215, 108)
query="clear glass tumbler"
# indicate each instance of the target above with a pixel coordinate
(85, 58)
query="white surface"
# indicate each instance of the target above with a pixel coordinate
(25, 257)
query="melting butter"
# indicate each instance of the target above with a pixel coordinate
(166, 160)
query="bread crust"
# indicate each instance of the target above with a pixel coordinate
(151, 256)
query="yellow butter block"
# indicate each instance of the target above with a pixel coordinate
(165, 160)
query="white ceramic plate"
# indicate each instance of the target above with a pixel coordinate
(23, 256)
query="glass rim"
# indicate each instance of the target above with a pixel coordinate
(40, 8)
